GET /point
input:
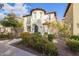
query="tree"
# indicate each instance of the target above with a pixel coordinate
(51, 24)
(64, 29)
(47, 24)
(20, 23)
(11, 21)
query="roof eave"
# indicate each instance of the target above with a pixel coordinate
(67, 9)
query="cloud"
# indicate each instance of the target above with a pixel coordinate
(19, 9)
(8, 8)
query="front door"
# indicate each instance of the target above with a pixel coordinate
(36, 28)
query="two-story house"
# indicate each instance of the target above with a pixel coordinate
(34, 21)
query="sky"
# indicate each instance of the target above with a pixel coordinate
(21, 9)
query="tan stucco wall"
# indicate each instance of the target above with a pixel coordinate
(72, 17)
(76, 18)
(69, 18)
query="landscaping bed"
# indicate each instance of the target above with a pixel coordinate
(73, 43)
(36, 42)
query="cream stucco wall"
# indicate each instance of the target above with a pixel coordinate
(25, 26)
(38, 17)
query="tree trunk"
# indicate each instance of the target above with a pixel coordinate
(16, 32)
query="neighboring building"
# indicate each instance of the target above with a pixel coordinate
(34, 21)
(4, 29)
(72, 18)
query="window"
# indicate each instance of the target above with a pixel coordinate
(28, 20)
(78, 25)
(35, 15)
(49, 16)
(40, 14)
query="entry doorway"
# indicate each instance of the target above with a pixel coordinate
(35, 28)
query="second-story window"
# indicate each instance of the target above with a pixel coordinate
(77, 25)
(35, 15)
(49, 16)
(28, 20)
(40, 14)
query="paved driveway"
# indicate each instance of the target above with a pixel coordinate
(8, 50)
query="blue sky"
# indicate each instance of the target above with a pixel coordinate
(23, 9)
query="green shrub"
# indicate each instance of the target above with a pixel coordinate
(38, 34)
(10, 35)
(73, 44)
(50, 49)
(50, 37)
(36, 37)
(6, 35)
(45, 36)
(2, 35)
(39, 46)
(26, 36)
(47, 48)
(30, 38)
(74, 37)
(45, 33)
(36, 41)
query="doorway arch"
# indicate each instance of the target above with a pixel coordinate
(35, 28)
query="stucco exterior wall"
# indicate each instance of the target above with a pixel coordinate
(69, 18)
(76, 18)
(25, 22)
(38, 17)
(72, 18)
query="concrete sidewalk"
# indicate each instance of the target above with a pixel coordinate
(7, 50)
